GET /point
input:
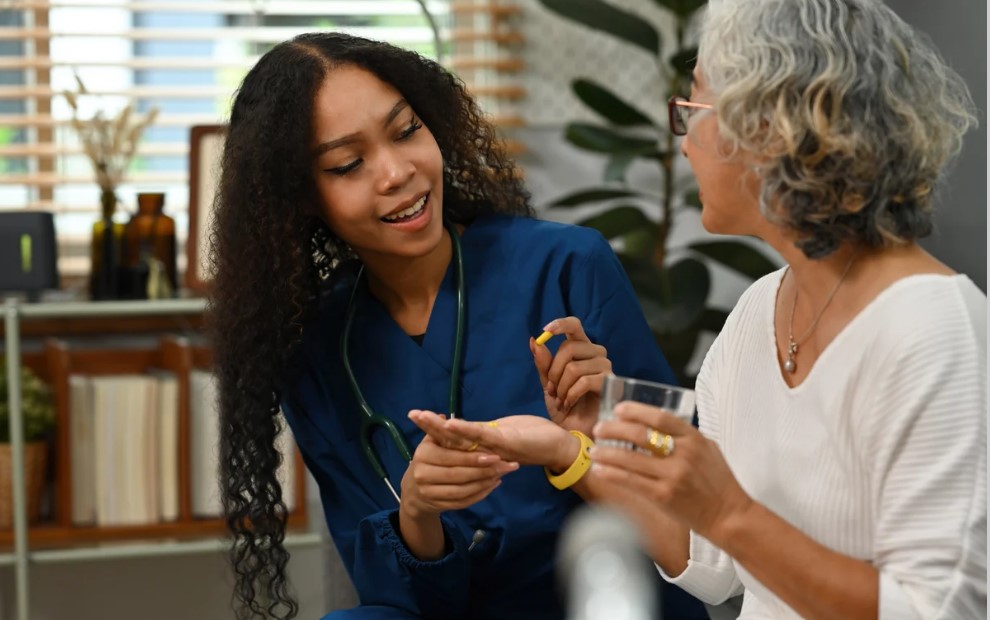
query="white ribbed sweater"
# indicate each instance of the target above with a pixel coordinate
(879, 454)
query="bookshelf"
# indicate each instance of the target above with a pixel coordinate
(61, 539)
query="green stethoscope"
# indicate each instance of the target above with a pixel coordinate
(371, 420)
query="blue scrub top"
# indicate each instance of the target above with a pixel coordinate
(520, 273)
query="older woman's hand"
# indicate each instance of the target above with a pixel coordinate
(678, 470)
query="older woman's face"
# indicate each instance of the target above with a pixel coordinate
(728, 187)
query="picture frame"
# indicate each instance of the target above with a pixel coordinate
(205, 149)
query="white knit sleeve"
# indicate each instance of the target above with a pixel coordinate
(925, 442)
(710, 574)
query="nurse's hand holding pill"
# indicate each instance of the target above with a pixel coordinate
(572, 377)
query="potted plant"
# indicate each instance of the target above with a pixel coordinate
(673, 286)
(38, 416)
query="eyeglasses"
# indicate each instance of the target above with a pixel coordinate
(679, 110)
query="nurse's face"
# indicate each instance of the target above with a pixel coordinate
(378, 169)
(728, 187)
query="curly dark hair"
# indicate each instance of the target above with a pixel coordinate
(855, 113)
(272, 256)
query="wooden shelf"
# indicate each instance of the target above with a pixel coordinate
(55, 363)
(51, 536)
(85, 319)
(157, 548)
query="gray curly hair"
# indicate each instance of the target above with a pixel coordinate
(854, 114)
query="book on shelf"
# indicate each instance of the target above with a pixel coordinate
(168, 446)
(81, 433)
(204, 444)
(120, 442)
(204, 414)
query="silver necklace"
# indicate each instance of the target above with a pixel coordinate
(790, 364)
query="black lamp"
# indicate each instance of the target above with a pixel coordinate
(28, 252)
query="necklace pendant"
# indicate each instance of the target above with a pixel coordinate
(789, 365)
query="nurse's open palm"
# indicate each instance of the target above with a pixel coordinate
(571, 379)
(525, 439)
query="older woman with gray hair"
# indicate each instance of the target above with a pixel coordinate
(840, 467)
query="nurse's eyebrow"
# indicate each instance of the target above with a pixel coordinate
(399, 106)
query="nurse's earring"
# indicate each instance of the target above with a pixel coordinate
(327, 251)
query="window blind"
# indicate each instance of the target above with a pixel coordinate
(186, 58)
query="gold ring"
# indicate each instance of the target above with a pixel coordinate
(661, 444)
(474, 446)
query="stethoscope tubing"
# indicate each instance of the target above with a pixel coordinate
(371, 420)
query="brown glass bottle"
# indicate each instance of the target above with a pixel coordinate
(149, 249)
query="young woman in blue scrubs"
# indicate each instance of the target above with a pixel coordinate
(375, 253)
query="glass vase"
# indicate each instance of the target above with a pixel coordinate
(106, 251)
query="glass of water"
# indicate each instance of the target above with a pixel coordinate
(615, 389)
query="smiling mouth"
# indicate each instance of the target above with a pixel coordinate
(407, 214)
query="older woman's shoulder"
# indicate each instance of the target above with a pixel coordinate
(931, 306)
(759, 294)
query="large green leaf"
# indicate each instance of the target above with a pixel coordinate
(672, 298)
(712, 320)
(740, 257)
(602, 16)
(605, 140)
(616, 166)
(681, 8)
(679, 349)
(618, 163)
(605, 103)
(619, 221)
(596, 194)
(641, 243)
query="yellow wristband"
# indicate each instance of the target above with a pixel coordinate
(577, 469)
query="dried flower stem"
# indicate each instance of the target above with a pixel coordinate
(110, 144)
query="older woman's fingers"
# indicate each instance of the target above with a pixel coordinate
(644, 437)
(620, 430)
(630, 460)
(632, 481)
(654, 417)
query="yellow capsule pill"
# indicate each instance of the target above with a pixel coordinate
(542, 340)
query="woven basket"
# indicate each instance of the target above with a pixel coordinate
(35, 455)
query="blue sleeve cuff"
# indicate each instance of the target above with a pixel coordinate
(386, 524)
(387, 573)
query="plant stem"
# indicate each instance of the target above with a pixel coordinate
(437, 45)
